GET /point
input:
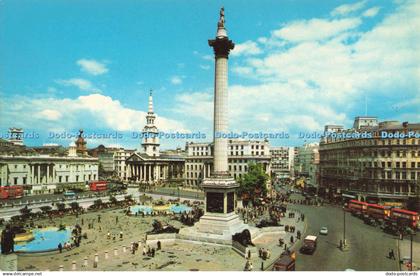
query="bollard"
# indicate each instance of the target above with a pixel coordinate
(106, 255)
(73, 265)
(124, 249)
(96, 261)
(115, 252)
(85, 263)
(61, 268)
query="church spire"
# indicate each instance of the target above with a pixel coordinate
(150, 102)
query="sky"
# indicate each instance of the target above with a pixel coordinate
(297, 66)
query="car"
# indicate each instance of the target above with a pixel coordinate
(323, 231)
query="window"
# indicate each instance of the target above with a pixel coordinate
(413, 175)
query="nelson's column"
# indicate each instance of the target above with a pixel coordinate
(219, 221)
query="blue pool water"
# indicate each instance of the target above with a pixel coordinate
(179, 208)
(140, 208)
(45, 239)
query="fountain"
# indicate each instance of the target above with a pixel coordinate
(43, 240)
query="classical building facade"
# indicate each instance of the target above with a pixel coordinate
(282, 161)
(307, 164)
(149, 165)
(366, 164)
(199, 159)
(120, 166)
(46, 173)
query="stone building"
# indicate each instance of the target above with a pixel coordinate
(282, 161)
(148, 165)
(199, 159)
(307, 165)
(374, 162)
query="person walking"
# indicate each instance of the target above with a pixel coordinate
(60, 247)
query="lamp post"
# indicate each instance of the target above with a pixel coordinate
(344, 227)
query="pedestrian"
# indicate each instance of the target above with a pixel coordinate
(260, 252)
(99, 218)
(116, 220)
(121, 235)
(291, 239)
(159, 245)
(60, 247)
(341, 244)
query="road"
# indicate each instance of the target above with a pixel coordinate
(367, 246)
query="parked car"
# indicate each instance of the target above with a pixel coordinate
(323, 231)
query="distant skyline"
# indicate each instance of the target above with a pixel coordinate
(297, 65)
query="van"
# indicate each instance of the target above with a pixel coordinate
(309, 244)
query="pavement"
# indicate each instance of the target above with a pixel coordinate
(367, 248)
(404, 252)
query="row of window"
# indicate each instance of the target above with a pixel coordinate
(17, 166)
(60, 179)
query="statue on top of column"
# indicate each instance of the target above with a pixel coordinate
(221, 23)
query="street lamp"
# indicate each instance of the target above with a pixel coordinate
(411, 232)
(344, 227)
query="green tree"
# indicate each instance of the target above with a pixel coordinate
(25, 212)
(97, 203)
(61, 207)
(113, 200)
(74, 206)
(45, 209)
(253, 184)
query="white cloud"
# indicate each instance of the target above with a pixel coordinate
(328, 71)
(204, 67)
(88, 111)
(176, 80)
(207, 57)
(247, 48)
(49, 114)
(315, 29)
(82, 84)
(371, 12)
(348, 8)
(195, 104)
(92, 66)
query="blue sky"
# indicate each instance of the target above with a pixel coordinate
(298, 65)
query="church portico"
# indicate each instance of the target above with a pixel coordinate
(148, 165)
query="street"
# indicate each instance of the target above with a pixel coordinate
(367, 248)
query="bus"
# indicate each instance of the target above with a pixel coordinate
(356, 207)
(405, 217)
(69, 194)
(97, 186)
(377, 211)
(11, 192)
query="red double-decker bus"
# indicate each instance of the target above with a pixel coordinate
(378, 211)
(97, 186)
(357, 206)
(405, 217)
(10, 192)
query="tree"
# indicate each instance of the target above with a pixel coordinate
(113, 200)
(45, 209)
(253, 184)
(97, 203)
(128, 197)
(74, 206)
(61, 207)
(25, 212)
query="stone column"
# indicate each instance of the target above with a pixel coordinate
(48, 174)
(39, 174)
(150, 173)
(140, 173)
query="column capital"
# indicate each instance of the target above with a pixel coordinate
(221, 46)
